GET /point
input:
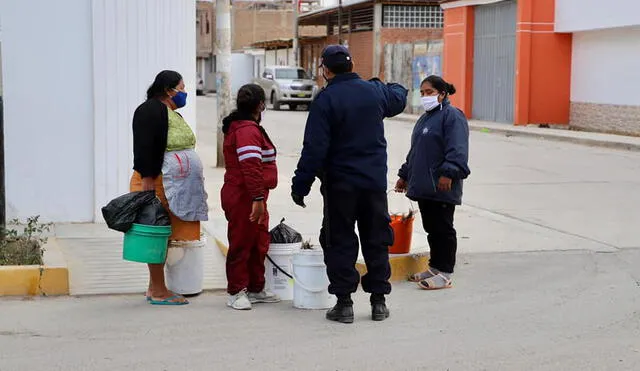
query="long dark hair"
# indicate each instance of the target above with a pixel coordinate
(440, 85)
(164, 81)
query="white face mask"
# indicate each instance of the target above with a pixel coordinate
(430, 102)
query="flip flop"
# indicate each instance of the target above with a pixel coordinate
(168, 301)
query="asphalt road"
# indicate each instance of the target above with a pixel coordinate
(548, 279)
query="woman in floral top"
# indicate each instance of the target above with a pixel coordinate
(165, 161)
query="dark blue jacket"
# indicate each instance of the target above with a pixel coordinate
(344, 137)
(439, 147)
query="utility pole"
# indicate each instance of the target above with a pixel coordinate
(3, 207)
(296, 53)
(340, 22)
(3, 200)
(223, 74)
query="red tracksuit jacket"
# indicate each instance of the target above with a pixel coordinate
(250, 159)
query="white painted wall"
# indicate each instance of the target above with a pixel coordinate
(281, 57)
(133, 41)
(74, 71)
(584, 15)
(48, 109)
(605, 67)
(242, 71)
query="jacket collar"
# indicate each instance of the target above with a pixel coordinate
(343, 77)
(237, 116)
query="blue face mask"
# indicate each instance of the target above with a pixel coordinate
(180, 99)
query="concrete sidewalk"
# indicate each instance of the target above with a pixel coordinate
(557, 133)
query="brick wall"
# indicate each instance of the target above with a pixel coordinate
(409, 35)
(606, 118)
(252, 25)
(360, 45)
(361, 49)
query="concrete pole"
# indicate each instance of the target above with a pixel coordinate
(3, 207)
(377, 47)
(296, 52)
(340, 22)
(223, 74)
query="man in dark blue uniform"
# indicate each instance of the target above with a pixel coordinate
(345, 146)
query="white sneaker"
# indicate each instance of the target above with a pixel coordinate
(265, 296)
(239, 301)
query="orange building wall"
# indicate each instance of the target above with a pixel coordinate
(543, 62)
(543, 66)
(457, 57)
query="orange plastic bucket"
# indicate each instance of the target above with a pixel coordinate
(403, 231)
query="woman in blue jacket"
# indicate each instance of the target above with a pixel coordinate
(432, 175)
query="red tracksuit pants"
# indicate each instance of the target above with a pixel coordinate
(248, 242)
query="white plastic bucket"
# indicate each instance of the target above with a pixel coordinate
(184, 268)
(311, 283)
(276, 280)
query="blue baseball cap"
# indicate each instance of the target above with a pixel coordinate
(335, 55)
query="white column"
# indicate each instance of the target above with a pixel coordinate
(223, 77)
(377, 46)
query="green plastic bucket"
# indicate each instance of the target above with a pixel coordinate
(146, 244)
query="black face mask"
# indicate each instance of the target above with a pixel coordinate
(324, 76)
(264, 108)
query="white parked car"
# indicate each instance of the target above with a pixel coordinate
(287, 85)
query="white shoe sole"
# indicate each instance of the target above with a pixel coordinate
(265, 301)
(238, 308)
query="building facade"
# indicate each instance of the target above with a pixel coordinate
(205, 44)
(68, 103)
(545, 62)
(395, 40)
(506, 61)
(605, 63)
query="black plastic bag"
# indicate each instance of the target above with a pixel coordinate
(282, 233)
(153, 213)
(122, 212)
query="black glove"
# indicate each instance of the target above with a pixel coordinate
(298, 200)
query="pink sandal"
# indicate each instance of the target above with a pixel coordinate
(420, 276)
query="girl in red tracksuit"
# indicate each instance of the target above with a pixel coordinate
(250, 162)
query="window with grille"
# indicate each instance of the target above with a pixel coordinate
(412, 16)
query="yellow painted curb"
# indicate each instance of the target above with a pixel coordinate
(402, 266)
(33, 280)
(224, 249)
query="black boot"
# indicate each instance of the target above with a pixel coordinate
(343, 311)
(379, 310)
